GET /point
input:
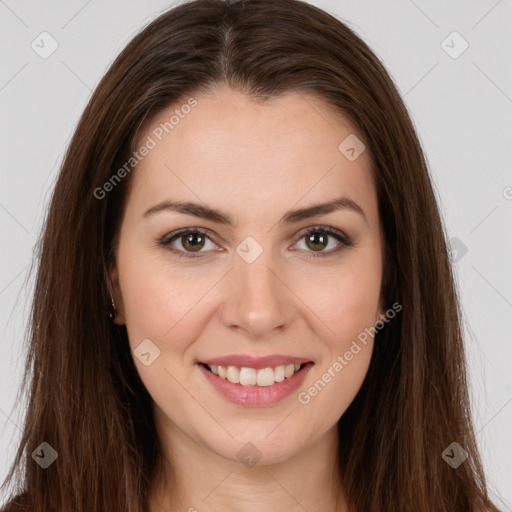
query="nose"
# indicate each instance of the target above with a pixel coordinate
(257, 300)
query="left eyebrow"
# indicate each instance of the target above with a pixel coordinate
(220, 217)
(341, 203)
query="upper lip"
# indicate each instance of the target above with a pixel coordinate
(248, 361)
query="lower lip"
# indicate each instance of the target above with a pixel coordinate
(253, 396)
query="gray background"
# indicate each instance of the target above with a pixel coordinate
(461, 108)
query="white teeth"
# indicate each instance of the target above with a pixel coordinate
(233, 374)
(247, 376)
(265, 377)
(255, 377)
(279, 373)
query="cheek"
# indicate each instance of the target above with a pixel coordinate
(349, 311)
(345, 299)
(163, 301)
(328, 396)
(346, 302)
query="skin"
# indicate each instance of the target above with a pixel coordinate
(255, 162)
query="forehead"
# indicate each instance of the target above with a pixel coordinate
(229, 150)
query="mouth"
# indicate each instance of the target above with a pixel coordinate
(251, 386)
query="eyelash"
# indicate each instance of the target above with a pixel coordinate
(340, 237)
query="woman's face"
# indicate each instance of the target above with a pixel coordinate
(247, 291)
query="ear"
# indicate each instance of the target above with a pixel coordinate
(115, 290)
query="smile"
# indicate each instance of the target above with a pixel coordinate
(249, 383)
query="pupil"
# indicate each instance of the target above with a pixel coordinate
(314, 239)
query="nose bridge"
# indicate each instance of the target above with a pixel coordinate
(257, 299)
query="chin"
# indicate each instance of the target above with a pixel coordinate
(256, 448)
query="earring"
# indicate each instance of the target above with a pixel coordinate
(113, 310)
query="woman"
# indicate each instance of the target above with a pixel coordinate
(244, 297)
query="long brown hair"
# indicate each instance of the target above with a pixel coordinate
(85, 397)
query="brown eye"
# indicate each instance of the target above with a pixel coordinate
(193, 241)
(317, 241)
(187, 242)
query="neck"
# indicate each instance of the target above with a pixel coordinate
(193, 478)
